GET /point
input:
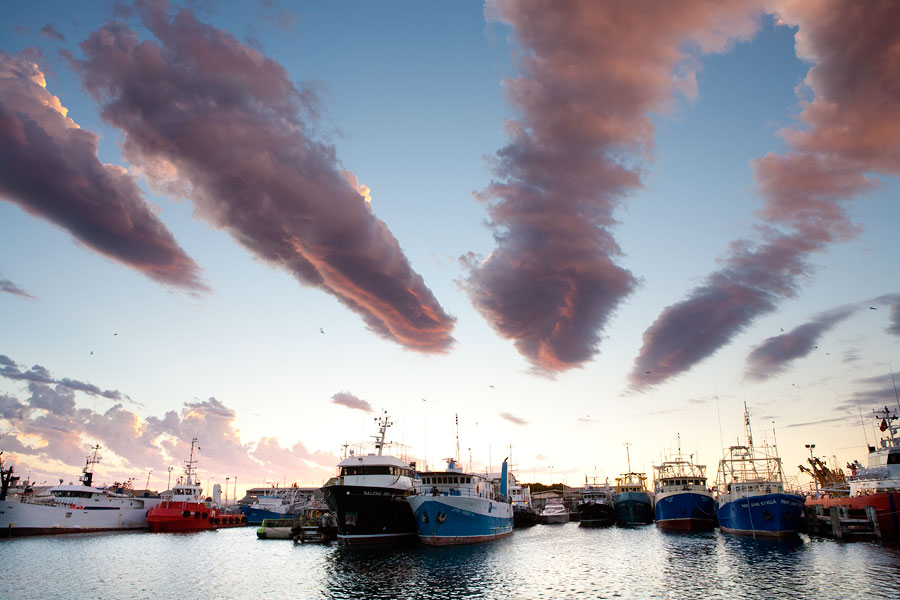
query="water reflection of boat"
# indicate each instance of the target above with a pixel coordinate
(870, 505)
(751, 498)
(683, 502)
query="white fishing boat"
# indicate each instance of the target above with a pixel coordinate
(75, 508)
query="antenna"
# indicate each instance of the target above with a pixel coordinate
(896, 395)
(189, 468)
(383, 423)
(457, 436)
(861, 422)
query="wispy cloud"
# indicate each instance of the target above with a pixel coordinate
(49, 30)
(50, 169)
(591, 75)
(350, 401)
(775, 354)
(11, 288)
(38, 374)
(513, 418)
(211, 118)
(855, 86)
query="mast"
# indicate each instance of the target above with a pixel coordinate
(88, 471)
(628, 455)
(748, 433)
(189, 468)
(457, 437)
(383, 423)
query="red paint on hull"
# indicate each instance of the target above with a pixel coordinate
(761, 533)
(449, 540)
(686, 525)
(180, 517)
(886, 510)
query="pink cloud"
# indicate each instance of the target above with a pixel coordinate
(208, 116)
(513, 418)
(50, 169)
(592, 74)
(849, 131)
(47, 425)
(350, 401)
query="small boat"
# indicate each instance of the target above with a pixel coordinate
(554, 511)
(315, 524)
(368, 497)
(683, 502)
(751, 498)
(72, 508)
(632, 500)
(184, 508)
(276, 529)
(461, 508)
(870, 504)
(596, 507)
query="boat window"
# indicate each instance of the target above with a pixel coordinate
(893, 459)
(468, 480)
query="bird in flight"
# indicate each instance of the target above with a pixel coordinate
(321, 330)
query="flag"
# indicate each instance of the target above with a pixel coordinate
(884, 424)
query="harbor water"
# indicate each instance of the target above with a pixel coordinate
(545, 561)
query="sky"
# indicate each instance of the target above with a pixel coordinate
(573, 234)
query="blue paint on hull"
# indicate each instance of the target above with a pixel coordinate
(768, 515)
(255, 516)
(633, 508)
(446, 520)
(685, 511)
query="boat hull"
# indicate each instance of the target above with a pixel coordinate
(255, 515)
(633, 508)
(886, 506)
(182, 517)
(451, 520)
(685, 511)
(766, 515)
(555, 518)
(370, 515)
(18, 519)
(525, 516)
(595, 514)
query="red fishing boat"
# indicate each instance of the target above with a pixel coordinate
(871, 504)
(185, 509)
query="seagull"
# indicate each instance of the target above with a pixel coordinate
(872, 308)
(115, 334)
(321, 330)
(92, 351)
(491, 386)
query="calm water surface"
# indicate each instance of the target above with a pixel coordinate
(546, 561)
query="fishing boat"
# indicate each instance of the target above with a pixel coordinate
(368, 497)
(683, 502)
(275, 503)
(751, 498)
(184, 509)
(632, 500)
(554, 512)
(524, 514)
(72, 508)
(596, 507)
(457, 507)
(869, 505)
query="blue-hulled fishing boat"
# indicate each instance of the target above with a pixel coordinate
(751, 497)
(683, 502)
(632, 501)
(456, 507)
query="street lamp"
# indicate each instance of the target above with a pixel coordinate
(813, 464)
(169, 484)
